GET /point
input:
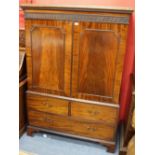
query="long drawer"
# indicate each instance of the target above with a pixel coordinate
(94, 112)
(46, 104)
(69, 125)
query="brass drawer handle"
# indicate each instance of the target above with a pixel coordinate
(91, 129)
(44, 103)
(48, 120)
(96, 113)
(90, 111)
(47, 105)
(93, 112)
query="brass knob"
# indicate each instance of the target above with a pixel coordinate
(49, 105)
(91, 129)
(88, 128)
(93, 112)
(96, 112)
(48, 120)
(44, 103)
(90, 111)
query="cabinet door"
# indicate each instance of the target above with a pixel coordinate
(48, 46)
(98, 54)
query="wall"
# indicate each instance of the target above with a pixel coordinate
(126, 88)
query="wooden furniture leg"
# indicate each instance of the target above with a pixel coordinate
(30, 131)
(110, 147)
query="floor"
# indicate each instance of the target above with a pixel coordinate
(50, 144)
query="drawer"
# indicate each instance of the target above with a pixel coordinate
(46, 104)
(68, 125)
(94, 112)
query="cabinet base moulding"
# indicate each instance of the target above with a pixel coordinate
(21, 131)
(109, 144)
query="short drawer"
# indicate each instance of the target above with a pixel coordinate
(71, 126)
(94, 112)
(46, 104)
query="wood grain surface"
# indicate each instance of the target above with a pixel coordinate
(50, 105)
(95, 112)
(94, 130)
(74, 70)
(49, 56)
(98, 53)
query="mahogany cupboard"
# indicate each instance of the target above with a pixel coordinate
(74, 65)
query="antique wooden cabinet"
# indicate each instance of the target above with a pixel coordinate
(74, 64)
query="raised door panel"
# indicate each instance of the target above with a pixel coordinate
(98, 53)
(49, 56)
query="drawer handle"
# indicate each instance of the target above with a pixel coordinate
(91, 129)
(96, 113)
(93, 112)
(48, 120)
(44, 103)
(47, 105)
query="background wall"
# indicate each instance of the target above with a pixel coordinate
(126, 89)
(125, 96)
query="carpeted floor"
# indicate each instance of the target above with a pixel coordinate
(49, 144)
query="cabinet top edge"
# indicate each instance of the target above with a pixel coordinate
(88, 8)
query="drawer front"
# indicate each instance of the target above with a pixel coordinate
(94, 112)
(68, 125)
(49, 105)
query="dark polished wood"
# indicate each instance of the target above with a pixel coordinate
(22, 38)
(50, 105)
(22, 89)
(99, 46)
(22, 66)
(98, 54)
(74, 64)
(111, 146)
(22, 109)
(49, 56)
(71, 99)
(69, 125)
(31, 130)
(94, 112)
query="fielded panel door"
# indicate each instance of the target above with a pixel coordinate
(49, 56)
(98, 53)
